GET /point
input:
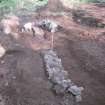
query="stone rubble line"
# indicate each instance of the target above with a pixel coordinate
(59, 77)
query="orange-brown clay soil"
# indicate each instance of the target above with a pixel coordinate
(81, 48)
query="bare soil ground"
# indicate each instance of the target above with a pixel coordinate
(81, 48)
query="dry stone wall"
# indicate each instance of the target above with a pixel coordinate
(59, 77)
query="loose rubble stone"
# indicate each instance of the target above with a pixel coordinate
(30, 27)
(2, 51)
(2, 62)
(66, 83)
(59, 77)
(59, 89)
(48, 25)
(27, 26)
(75, 90)
(78, 98)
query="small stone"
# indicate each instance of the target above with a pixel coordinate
(6, 84)
(2, 51)
(48, 25)
(13, 77)
(28, 26)
(58, 76)
(7, 30)
(2, 62)
(100, 25)
(59, 89)
(51, 52)
(75, 90)
(66, 83)
(78, 98)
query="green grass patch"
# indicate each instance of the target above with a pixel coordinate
(11, 6)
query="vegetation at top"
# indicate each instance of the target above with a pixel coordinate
(11, 6)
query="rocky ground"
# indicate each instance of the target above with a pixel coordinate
(81, 46)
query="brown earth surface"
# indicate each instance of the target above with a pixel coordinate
(81, 48)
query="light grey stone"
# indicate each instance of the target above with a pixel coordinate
(49, 25)
(78, 98)
(75, 90)
(66, 83)
(2, 51)
(59, 89)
